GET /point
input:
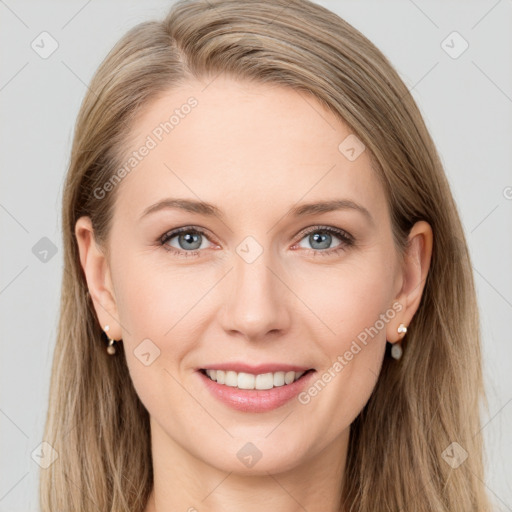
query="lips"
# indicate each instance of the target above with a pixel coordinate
(257, 388)
(262, 376)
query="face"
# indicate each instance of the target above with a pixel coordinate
(255, 283)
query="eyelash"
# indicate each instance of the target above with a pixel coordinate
(347, 240)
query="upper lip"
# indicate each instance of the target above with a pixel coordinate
(256, 369)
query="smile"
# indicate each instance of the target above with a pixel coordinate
(243, 380)
(257, 389)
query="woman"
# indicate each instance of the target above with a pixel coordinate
(317, 345)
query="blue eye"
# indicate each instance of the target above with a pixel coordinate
(191, 240)
(324, 240)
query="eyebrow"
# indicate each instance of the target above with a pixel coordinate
(210, 210)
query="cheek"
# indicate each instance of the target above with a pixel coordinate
(351, 301)
(154, 308)
(153, 298)
(356, 306)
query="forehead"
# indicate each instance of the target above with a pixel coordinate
(244, 144)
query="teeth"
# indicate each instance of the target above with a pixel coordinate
(289, 377)
(231, 379)
(246, 381)
(279, 379)
(264, 381)
(249, 381)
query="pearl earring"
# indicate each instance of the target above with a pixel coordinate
(396, 348)
(111, 349)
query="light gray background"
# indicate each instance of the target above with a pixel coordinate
(466, 102)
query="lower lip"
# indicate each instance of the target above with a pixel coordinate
(256, 400)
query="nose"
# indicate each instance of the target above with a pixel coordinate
(256, 299)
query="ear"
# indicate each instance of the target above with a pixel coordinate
(415, 267)
(96, 269)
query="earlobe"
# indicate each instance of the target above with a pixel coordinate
(416, 264)
(97, 273)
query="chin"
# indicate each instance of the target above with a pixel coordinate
(256, 458)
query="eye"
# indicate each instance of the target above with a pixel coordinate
(189, 241)
(320, 238)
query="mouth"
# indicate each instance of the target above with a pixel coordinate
(254, 381)
(258, 389)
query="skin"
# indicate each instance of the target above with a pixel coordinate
(254, 151)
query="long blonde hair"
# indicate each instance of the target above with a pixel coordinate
(420, 405)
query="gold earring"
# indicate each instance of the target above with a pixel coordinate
(396, 348)
(111, 349)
